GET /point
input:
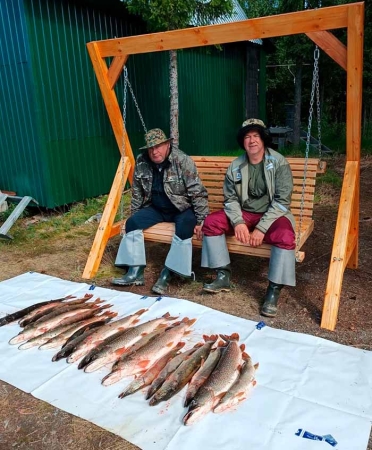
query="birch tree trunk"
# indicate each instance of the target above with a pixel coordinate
(173, 88)
(297, 105)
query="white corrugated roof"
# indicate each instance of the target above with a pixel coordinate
(237, 15)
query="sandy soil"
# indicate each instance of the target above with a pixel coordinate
(28, 423)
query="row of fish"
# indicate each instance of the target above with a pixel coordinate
(218, 373)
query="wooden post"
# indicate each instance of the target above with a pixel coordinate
(345, 245)
(104, 229)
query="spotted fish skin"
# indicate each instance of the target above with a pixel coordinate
(240, 389)
(219, 382)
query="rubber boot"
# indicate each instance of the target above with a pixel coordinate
(270, 301)
(134, 277)
(221, 283)
(161, 285)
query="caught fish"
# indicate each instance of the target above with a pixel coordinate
(202, 374)
(69, 317)
(43, 310)
(148, 354)
(150, 374)
(116, 348)
(102, 333)
(183, 374)
(240, 389)
(71, 346)
(219, 382)
(22, 312)
(168, 369)
(64, 308)
(59, 339)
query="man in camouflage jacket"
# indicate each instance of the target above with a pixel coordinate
(166, 188)
(257, 189)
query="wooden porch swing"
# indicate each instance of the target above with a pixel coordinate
(315, 24)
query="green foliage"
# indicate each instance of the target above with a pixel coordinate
(165, 15)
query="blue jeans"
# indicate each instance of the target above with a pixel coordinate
(185, 221)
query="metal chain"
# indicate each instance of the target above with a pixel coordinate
(318, 106)
(314, 87)
(123, 148)
(134, 100)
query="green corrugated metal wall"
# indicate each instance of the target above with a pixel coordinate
(57, 143)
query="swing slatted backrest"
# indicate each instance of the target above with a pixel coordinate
(212, 171)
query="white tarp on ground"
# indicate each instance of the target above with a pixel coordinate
(303, 382)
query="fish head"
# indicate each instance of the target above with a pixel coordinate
(196, 412)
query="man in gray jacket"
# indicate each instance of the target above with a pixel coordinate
(257, 189)
(166, 188)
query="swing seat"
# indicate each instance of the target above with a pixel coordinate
(212, 171)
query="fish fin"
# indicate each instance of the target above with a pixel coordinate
(242, 347)
(170, 344)
(211, 338)
(143, 364)
(232, 337)
(254, 382)
(167, 316)
(120, 351)
(245, 356)
(140, 312)
(187, 332)
(191, 322)
(162, 325)
(256, 366)
(180, 345)
(185, 320)
(198, 345)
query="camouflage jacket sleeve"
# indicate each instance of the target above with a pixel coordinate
(196, 191)
(137, 193)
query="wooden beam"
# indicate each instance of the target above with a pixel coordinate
(111, 103)
(115, 69)
(340, 247)
(330, 45)
(264, 27)
(354, 109)
(104, 229)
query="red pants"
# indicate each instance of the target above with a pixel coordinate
(280, 233)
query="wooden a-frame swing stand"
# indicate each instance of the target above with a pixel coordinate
(316, 25)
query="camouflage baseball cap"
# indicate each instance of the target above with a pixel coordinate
(252, 124)
(154, 137)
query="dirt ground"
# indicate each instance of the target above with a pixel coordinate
(30, 424)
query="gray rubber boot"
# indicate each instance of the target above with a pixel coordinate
(214, 252)
(179, 258)
(221, 283)
(131, 250)
(134, 277)
(270, 301)
(162, 283)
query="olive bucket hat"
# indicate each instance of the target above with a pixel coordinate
(253, 124)
(153, 137)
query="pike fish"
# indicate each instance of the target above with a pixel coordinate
(219, 382)
(70, 347)
(149, 353)
(183, 374)
(116, 348)
(202, 374)
(59, 339)
(22, 312)
(240, 389)
(168, 369)
(43, 310)
(102, 333)
(150, 374)
(66, 318)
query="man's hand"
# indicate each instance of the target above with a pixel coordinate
(256, 238)
(242, 233)
(198, 232)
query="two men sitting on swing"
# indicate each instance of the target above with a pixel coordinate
(257, 190)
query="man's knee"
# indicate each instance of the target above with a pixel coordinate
(132, 224)
(214, 224)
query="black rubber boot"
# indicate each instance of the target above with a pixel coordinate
(134, 277)
(221, 283)
(161, 286)
(270, 301)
